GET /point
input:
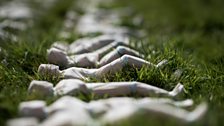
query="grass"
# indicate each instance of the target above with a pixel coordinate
(189, 34)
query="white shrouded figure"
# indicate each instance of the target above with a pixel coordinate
(98, 73)
(96, 58)
(86, 45)
(75, 86)
(72, 111)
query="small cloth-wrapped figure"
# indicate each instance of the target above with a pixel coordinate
(72, 111)
(86, 45)
(96, 58)
(98, 73)
(75, 86)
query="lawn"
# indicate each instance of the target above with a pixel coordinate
(187, 33)
(190, 34)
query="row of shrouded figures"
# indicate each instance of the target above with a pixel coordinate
(72, 111)
(95, 58)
